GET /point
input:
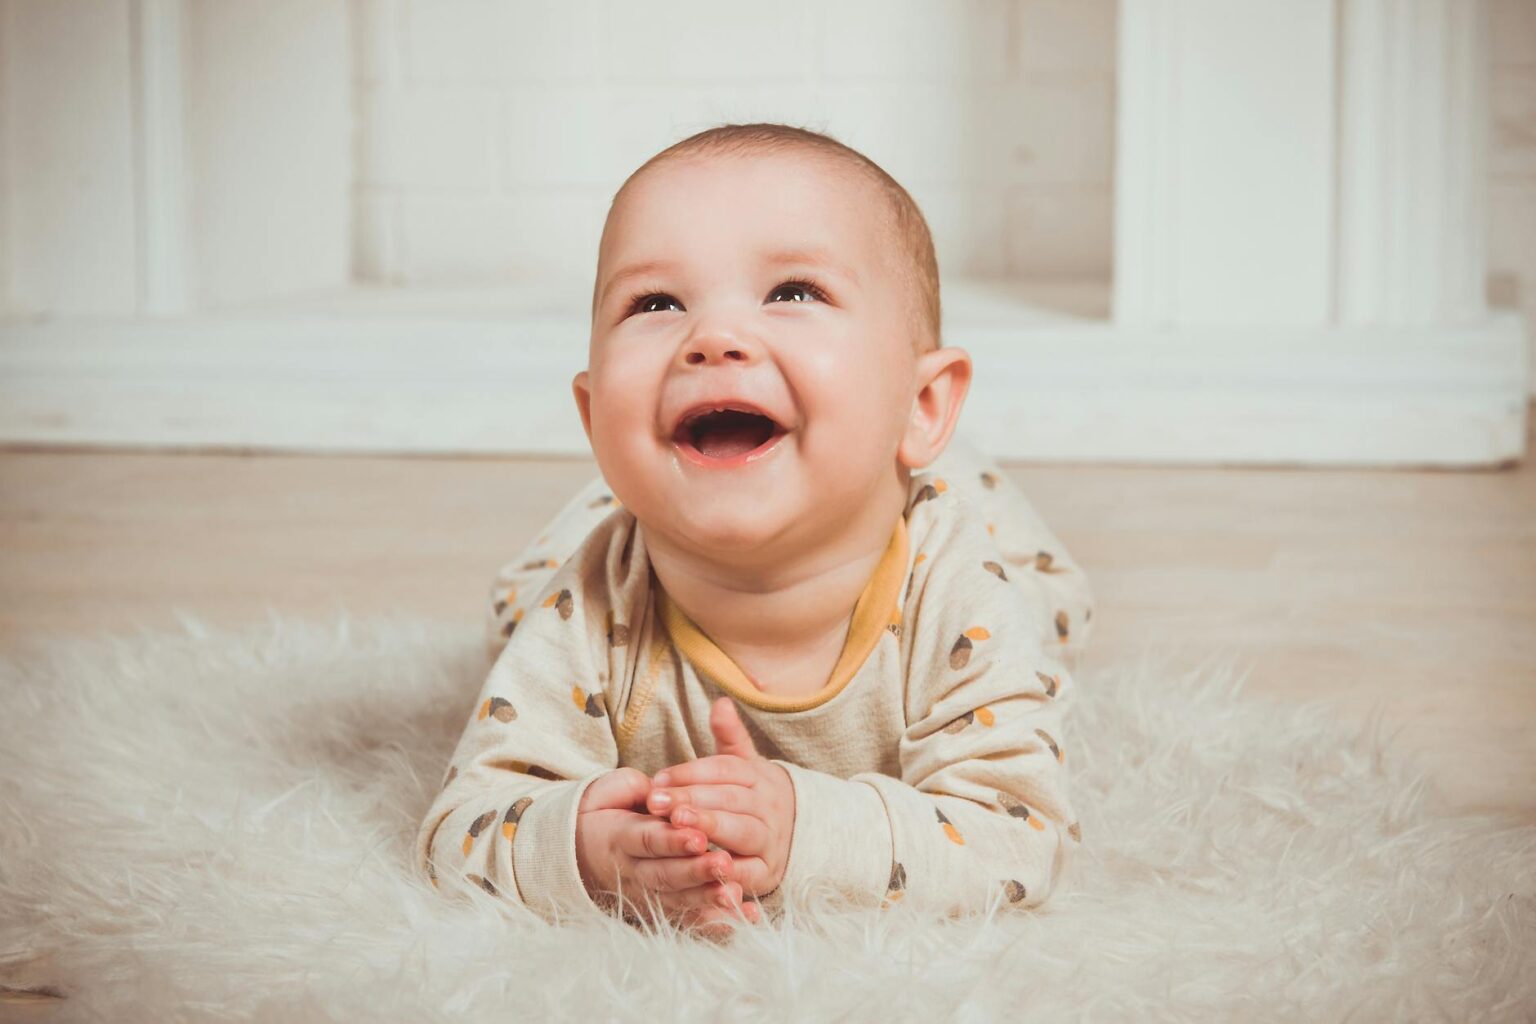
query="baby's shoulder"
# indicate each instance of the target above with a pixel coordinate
(946, 520)
(590, 593)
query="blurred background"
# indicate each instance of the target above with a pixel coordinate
(1298, 232)
(292, 292)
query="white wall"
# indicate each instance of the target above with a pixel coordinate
(269, 116)
(486, 156)
(163, 160)
(1512, 163)
(68, 201)
(491, 135)
(164, 156)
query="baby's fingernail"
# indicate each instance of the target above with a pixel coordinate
(683, 816)
(695, 845)
(662, 800)
(661, 779)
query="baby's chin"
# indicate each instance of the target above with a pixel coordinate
(734, 526)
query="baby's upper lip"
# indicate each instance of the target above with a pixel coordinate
(730, 402)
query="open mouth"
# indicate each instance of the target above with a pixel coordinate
(727, 435)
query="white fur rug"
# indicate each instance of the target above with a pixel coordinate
(216, 826)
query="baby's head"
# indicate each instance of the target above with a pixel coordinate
(773, 269)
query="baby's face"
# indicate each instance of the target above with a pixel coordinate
(768, 281)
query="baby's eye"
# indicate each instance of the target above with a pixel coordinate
(655, 303)
(804, 289)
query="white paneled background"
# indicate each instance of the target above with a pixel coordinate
(497, 158)
(1208, 231)
(1512, 159)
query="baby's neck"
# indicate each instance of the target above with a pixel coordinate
(784, 627)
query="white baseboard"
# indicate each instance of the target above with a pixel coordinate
(1054, 389)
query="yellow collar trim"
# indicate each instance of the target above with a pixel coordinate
(875, 610)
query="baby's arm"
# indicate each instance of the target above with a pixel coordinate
(1034, 558)
(505, 819)
(517, 583)
(981, 807)
(534, 809)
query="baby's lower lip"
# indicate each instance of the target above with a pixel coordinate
(698, 458)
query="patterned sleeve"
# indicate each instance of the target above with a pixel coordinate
(981, 809)
(524, 577)
(1032, 555)
(539, 733)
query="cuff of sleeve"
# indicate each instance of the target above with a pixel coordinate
(544, 852)
(841, 836)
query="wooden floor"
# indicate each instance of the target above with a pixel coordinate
(1414, 589)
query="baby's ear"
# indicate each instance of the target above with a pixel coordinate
(943, 378)
(583, 392)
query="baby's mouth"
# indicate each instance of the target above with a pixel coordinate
(727, 434)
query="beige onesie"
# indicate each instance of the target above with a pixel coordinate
(930, 769)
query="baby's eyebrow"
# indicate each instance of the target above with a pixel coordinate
(813, 258)
(634, 270)
(803, 257)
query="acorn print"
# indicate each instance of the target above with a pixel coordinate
(514, 815)
(618, 632)
(982, 715)
(988, 480)
(498, 708)
(561, 602)
(897, 886)
(524, 768)
(949, 830)
(453, 772)
(913, 578)
(506, 599)
(1044, 563)
(929, 492)
(1014, 890)
(1051, 743)
(540, 563)
(1016, 808)
(1075, 830)
(477, 826)
(484, 883)
(511, 624)
(1061, 626)
(432, 873)
(961, 652)
(591, 703)
(605, 499)
(1051, 682)
(895, 624)
(996, 570)
(992, 529)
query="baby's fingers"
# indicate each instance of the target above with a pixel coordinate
(674, 874)
(709, 909)
(739, 833)
(652, 837)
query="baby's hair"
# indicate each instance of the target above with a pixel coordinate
(907, 220)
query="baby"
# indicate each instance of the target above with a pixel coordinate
(798, 632)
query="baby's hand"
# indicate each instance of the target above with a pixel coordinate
(743, 802)
(621, 849)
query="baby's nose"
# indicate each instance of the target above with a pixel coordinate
(718, 345)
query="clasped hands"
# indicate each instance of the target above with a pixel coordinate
(652, 834)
